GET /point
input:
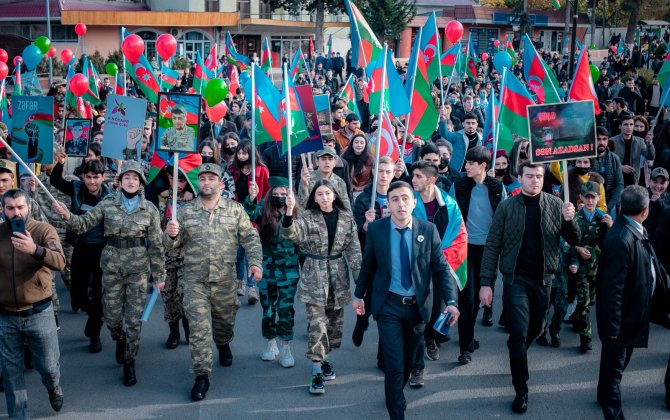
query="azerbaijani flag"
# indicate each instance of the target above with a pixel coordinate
(471, 59)
(514, 98)
(431, 47)
(212, 63)
(200, 74)
(330, 45)
(266, 58)
(664, 79)
(349, 93)
(169, 77)
(423, 118)
(491, 124)
(188, 166)
(365, 47)
(391, 87)
(389, 142)
(582, 88)
(556, 4)
(290, 105)
(118, 86)
(298, 64)
(267, 115)
(18, 86)
(141, 72)
(234, 80)
(92, 94)
(449, 60)
(233, 57)
(541, 82)
(4, 107)
(455, 238)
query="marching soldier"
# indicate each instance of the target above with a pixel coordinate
(210, 229)
(132, 229)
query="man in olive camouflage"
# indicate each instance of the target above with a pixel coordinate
(179, 137)
(593, 223)
(210, 229)
(134, 249)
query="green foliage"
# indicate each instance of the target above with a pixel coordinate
(59, 69)
(388, 18)
(295, 7)
(180, 63)
(115, 57)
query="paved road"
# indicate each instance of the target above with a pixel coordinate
(562, 383)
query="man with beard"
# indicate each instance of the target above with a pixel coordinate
(463, 140)
(608, 165)
(210, 229)
(630, 148)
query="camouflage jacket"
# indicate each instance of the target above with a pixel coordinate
(319, 276)
(593, 232)
(174, 258)
(45, 204)
(142, 222)
(315, 176)
(210, 239)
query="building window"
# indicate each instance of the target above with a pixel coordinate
(212, 6)
(149, 38)
(63, 33)
(287, 46)
(264, 10)
(191, 42)
(244, 8)
(482, 39)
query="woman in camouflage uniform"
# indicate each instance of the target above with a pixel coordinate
(327, 235)
(134, 248)
(280, 269)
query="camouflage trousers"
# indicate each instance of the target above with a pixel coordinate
(123, 301)
(66, 273)
(559, 300)
(173, 295)
(202, 299)
(325, 329)
(277, 294)
(586, 289)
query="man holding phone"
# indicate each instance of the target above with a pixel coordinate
(29, 253)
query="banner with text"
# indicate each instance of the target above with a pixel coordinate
(124, 127)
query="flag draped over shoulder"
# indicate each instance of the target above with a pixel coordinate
(268, 114)
(539, 80)
(365, 47)
(514, 98)
(233, 57)
(142, 73)
(391, 88)
(582, 84)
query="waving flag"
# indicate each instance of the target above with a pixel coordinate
(212, 63)
(268, 114)
(582, 84)
(18, 86)
(431, 47)
(233, 57)
(330, 45)
(391, 86)
(491, 124)
(234, 80)
(169, 77)
(141, 72)
(92, 94)
(298, 65)
(349, 93)
(471, 59)
(514, 98)
(423, 118)
(266, 58)
(365, 48)
(298, 128)
(188, 166)
(539, 80)
(200, 74)
(449, 60)
(119, 88)
(389, 142)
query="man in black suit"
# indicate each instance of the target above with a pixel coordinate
(402, 256)
(631, 290)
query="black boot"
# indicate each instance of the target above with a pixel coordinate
(487, 316)
(585, 344)
(200, 387)
(95, 345)
(520, 403)
(187, 330)
(225, 355)
(173, 339)
(129, 378)
(121, 351)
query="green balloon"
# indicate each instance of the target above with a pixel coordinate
(215, 91)
(112, 69)
(592, 46)
(595, 73)
(43, 43)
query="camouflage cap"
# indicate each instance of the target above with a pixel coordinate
(590, 187)
(659, 172)
(132, 166)
(179, 109)
(326, 151)
(7, 166)
(210, 168)
(278, 181)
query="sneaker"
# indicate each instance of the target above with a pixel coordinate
(285, 357)
(432, 351)
(316, 385)
(465, 358)
(241, 288)
(416, 378)
(271, 352)
(252, 295)
(328, 371)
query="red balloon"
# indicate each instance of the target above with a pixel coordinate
(4, 70)
(52, 52)
(16, 60)
(78, 84)
(217, 112)
(80, 29)
(454, 31)
(3, 55)
(132, 46)
(613, 48)
(496, 43)
(485, 56)
(66, 55)
(166, 46)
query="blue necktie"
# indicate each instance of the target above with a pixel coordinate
(405, 264)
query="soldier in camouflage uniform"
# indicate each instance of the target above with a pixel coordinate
(325, 161)
(327, 235)
(179, 137)
(134, 248)
(594, 224)
(210, 229)
(173, 293)
(281, 271)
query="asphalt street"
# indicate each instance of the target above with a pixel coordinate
(562, 381)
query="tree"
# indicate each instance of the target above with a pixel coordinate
(388, 19)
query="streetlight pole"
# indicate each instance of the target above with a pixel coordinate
(51, 64)
(573, 41)
(605, 43)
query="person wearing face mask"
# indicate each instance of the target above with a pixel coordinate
(502, 173)
(327, 235)
(228, 148)
(27, 261)
(134, 248)
(87, 248)
(281, 272)
(209, 152)
(582, 171)
(463, 140)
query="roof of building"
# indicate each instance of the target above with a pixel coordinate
(103, 5)
(36, 9)
(29, 9)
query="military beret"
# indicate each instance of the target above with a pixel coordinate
(278, 181)
(590, 187)
(211, 168)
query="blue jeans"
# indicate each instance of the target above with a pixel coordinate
(39, 331)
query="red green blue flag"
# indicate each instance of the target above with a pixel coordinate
(188, 166)
(169, 77)
(267, 114)
(431, 47)
(491, 124)
(233, 57)
(541, 82)
(582, 88)
(423, 118)
(365, 47)
(290, 105)
(266, 58)
(391, 88)
(514, 98)
(349, 93)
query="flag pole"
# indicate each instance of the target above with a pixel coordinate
(67, 92)
(380, 116)
(497, 130)
(27, 168)
(411, 95)
(253, 123)
(123, 60)
(439, 57)
(175, 183)
(287, 97)
(660, 108)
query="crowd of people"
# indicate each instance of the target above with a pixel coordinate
(399, 229)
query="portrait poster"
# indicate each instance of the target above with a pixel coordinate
(178, 122)
(33, 128)
(124, 127)
(561, 131)
(322, 107)
(77, 136)
(313, 142)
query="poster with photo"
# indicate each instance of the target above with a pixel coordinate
(77, 136)
(33, 128)
(178, 122)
